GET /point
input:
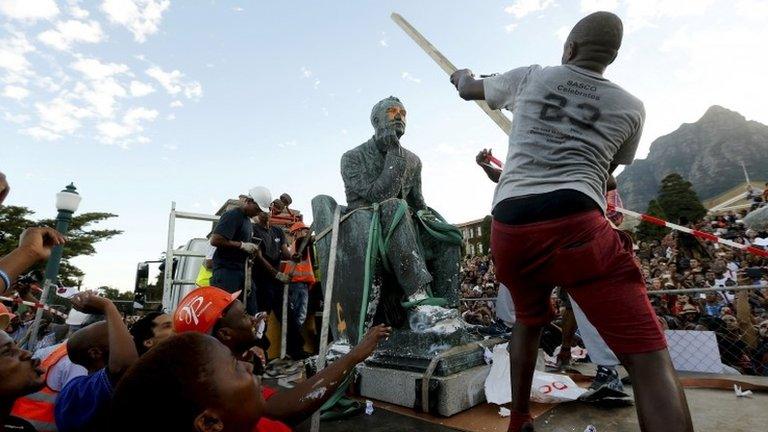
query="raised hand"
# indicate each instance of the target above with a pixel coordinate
(40, 240)
(4, 188)
(91, 303)
(457, 76)
(370, 341)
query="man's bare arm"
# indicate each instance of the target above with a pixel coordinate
(468, 86)
(297, 404)
(218, 240)
(35, 244)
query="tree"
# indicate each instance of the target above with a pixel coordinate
(485, 234)
(679, 200)
(114, 294)
(80, 238)
(647, 231)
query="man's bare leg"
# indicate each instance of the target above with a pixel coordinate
(523, 350)
(659, 396)
(569, 331)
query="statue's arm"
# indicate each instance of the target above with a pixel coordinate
(373, 187)
(415, 198)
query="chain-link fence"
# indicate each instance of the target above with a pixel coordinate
(713, 330)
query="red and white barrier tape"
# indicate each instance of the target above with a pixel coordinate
(696, 233)
(656, 221)
(35, 305)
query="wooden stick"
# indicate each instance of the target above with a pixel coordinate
(327, 297)
(497, 116)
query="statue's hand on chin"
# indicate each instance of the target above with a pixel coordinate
(388, 140)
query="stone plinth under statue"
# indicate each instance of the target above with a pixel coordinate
(415, 260)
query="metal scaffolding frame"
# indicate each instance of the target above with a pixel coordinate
(169, 283)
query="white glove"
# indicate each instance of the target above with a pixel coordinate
(282, 277)
(250, 248)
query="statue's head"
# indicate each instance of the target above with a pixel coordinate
(388, 113)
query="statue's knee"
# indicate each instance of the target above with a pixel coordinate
(322, 211)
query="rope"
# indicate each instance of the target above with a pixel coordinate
(34, 305)
(376, 251)
(696, 233)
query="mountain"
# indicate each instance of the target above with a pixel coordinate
(708, 153)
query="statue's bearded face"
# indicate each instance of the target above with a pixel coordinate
(392, 117)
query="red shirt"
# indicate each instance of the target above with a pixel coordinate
(265, 424)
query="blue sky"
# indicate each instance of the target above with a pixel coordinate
(142, 102)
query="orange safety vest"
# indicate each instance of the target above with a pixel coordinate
(37, 408)
(302, 272)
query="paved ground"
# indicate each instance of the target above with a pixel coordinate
(380, 421)
(712, 410)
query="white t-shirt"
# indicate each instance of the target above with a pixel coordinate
(569, 125)
(505, 308)
(63, 371)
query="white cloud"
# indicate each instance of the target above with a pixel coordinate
(408, 77)
(238, 9)
(110, 132)
(287, 144)
(562, 33)
(139, 89)
(316, 84)
(588, 6)
(509, 28)
(134, 116)
(40, 133)
(30, 10)
(129, 130)
(141, 17)
(193, 90)
(60, 116)
(76, 11)
(173, 82)
(15, 92)
(383, 41)
(306, 72)
(176, 104)
(645, 13)
(15, 118)
(521, 8)
(13, 52)
(94, 69)
(67, 32)
(170, 117)
(102, 95)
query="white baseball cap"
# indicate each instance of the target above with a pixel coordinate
(262, 196)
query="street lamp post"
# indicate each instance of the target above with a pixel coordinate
(67, 202)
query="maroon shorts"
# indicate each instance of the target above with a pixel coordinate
(593, 262)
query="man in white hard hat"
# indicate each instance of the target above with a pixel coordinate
(233, 240)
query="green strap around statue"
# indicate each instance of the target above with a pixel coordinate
(376, 249)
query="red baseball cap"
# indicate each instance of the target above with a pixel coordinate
(201, 308)
(5, 317)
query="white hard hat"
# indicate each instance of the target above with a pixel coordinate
(262, 196)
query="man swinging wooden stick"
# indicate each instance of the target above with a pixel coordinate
(572, 128)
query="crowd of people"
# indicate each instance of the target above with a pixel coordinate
(677, 261)
(479, 289)
(192, 369)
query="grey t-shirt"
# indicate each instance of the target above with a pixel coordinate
(569, 124)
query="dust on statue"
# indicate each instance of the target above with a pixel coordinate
(396, 256)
